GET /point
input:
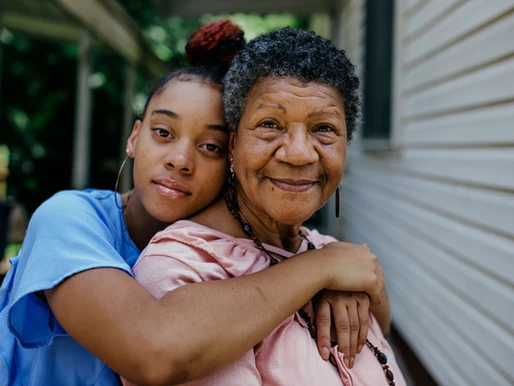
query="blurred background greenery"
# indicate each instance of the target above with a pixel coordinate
(38, 98)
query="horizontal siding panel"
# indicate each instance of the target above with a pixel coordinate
(467, 365)
(421, 339)
(486, 208)
(489, 85)
(489, 253)
(485, 126)
(432, 11)
(491, 43)
(484, 167)
(456, 25)
(469, 336)
(489, 294)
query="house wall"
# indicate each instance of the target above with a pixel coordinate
(437, 205)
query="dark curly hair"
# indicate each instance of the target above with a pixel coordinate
(209, 51)
(291, 53)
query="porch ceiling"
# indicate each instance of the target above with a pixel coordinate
(45, 19)
(65, 20)
(194, 8)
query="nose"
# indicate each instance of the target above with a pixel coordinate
(296, 148)
(180, 157)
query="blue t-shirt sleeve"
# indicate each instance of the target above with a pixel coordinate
(66, 235)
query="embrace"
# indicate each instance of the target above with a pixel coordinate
(203, 273)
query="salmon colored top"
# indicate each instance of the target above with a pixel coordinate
(187, 252)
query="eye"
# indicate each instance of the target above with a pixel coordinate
(268, 124)
(161, 132)
(211, 147)
(323, 128)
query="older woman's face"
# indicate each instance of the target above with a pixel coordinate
(290, 148)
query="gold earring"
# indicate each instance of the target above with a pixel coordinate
(121, 169)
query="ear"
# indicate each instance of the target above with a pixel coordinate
(132, 140)
(231, 145)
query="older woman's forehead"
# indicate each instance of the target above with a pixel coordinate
(270, 89)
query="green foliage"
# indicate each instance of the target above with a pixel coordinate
(38, 80)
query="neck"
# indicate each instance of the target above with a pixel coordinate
(268, 230)
(140, 225)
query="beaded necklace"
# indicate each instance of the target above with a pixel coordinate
(234, 210)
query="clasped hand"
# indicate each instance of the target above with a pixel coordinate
(344, 306)
(349, 313)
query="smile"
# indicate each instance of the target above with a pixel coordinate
(293, 186)
(170, 188)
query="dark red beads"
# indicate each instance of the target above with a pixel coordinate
(389, 375)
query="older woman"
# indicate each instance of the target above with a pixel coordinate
(291, 101)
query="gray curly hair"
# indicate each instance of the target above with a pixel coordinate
(291, 53)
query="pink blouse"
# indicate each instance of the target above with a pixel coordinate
(187, 252)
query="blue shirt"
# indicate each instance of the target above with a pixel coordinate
(73, 231)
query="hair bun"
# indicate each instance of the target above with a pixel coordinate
(216, 43)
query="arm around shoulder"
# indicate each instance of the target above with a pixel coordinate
(188, 333)
(195, 329)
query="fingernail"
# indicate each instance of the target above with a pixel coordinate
(359, 348)
(325, 353)
(347, 362)
(352, 361)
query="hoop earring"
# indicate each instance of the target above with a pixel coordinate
(338, 198)
(119, 171)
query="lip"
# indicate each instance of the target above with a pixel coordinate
(170, 188)
(293, 186)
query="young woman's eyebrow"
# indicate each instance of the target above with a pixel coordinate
(169, 113)
(217, 128)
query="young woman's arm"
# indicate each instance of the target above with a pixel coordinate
(198, 328)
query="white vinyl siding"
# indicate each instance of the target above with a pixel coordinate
(438, 209)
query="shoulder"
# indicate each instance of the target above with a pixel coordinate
(73, 203)
(84, 217)
(188, 235)
(79, 198)
(193, 244)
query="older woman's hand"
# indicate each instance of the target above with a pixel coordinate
(353, 268)
(349, 312)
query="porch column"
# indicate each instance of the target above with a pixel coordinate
(82, 139)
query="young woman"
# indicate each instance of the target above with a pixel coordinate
(71, 313)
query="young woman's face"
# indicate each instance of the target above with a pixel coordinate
(180, 151)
